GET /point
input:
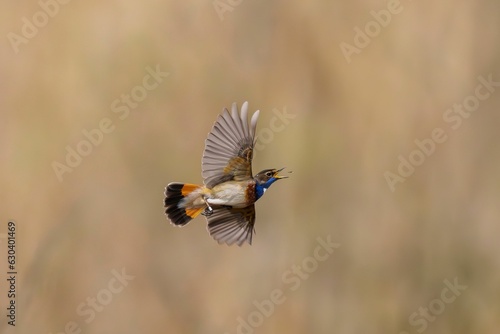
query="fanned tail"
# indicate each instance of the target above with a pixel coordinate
(178, 203)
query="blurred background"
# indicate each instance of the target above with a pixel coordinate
(344, 89)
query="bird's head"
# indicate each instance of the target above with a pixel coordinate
(268, 176)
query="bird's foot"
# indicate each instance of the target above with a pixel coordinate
(208, 211)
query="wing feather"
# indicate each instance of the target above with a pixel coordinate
(253, 123)
(229, 147)
(237, 120)
(232, 226)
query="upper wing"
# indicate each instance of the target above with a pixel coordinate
(229, 147)
(230, 225)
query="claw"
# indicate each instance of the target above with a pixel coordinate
(208, 211)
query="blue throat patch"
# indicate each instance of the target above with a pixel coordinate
(260, 189)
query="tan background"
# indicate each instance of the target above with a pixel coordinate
(352, 121)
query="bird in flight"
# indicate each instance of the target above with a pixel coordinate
(230, 190)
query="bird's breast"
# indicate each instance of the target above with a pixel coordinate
(251, 194)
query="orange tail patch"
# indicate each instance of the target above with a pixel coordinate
(188, 188)
(193, 213)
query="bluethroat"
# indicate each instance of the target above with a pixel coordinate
(229, 192)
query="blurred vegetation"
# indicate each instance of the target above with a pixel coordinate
(352, 122)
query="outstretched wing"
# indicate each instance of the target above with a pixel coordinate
(230, 225)
(229, 147)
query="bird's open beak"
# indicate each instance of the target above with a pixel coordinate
(277, 176)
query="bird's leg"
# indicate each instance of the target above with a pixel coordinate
(208, 210)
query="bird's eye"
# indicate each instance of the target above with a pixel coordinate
(269, 174)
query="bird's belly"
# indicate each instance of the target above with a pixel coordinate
(231, 194)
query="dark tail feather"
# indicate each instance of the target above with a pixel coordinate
(177, 211)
